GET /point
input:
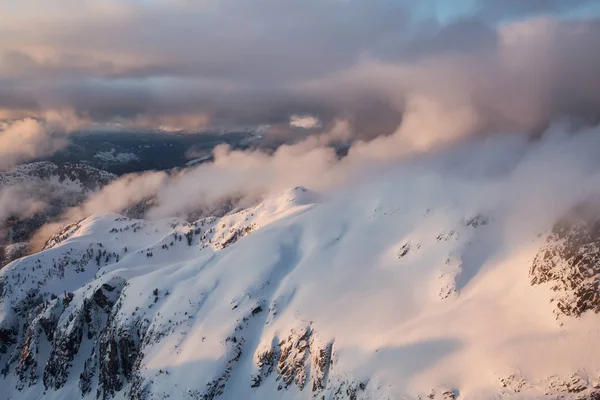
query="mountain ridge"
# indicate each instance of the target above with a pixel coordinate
(298, 297)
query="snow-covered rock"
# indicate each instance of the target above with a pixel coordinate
(71, 177)
(570, 263)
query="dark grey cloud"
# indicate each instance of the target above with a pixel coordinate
(229, 39)
(233, 63)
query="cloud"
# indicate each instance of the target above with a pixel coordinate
(376, 76)
(376, 65)
(26, 139)
(17, 201)
(532, 180)
(252, 174)
(20, 201)
(118, 195)
(121, 193)
(247, 174)
(304, 121)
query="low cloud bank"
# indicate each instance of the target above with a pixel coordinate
(539, 178)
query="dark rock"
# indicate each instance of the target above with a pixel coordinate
(570, 262)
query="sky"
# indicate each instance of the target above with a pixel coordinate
(423, 70)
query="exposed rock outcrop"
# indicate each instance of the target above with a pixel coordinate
(570, 263)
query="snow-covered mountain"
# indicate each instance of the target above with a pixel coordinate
(41, 191)
(391, 289)
(75, 177)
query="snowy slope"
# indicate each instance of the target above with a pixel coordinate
(397, 288)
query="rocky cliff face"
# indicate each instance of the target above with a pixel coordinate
(570, 263)
(47, 334)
